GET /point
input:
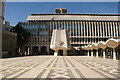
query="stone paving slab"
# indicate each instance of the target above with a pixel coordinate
(59, 67)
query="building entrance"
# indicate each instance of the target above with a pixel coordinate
(35, 50)
(43, 50)
(60, 52)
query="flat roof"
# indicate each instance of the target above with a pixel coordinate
(76, 14)
(103, 17)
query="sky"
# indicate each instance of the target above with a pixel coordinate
(62, 0)
(18, 11)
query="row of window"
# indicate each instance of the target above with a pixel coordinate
(89, 28)
(35, 26)
(77, 28)
(78, 45)
(39, 33)
(88, 39)
(94, 40)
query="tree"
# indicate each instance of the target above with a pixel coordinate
(22, 35)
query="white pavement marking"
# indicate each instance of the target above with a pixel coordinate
(114, 71)
(46, 74)
(35, 71)
(97, 70)
(59, 66)
(48, 70)
(60, 74)
(72, 69)
(86, 71)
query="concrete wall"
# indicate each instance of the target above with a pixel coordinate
(1, 23)
(73, 17)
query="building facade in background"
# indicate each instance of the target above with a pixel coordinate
(83, 29)
(8, 39)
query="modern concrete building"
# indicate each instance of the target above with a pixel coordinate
(83, 29)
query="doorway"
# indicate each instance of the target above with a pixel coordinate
(43, 50)
(35, 50)
(60, 52)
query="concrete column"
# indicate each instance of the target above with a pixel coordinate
(87, 28)
(64, 52)
(91, 53)
(84, 29)
(95, 29)
(28, 51)
(103, 29)
(19, 50)
(96, 53)
(103, 53)
(116, 29)
(109, 28)
(114, 54)
(56, 53)
(77, 28)
(88, 53)
(73, 29)
(70, 27)
(90, 29)
(81, 29)
(106, 29)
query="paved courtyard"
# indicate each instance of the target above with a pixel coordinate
(62, 67)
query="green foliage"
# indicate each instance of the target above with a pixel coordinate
(22, 35)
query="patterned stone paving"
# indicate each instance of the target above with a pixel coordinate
(60, 67)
